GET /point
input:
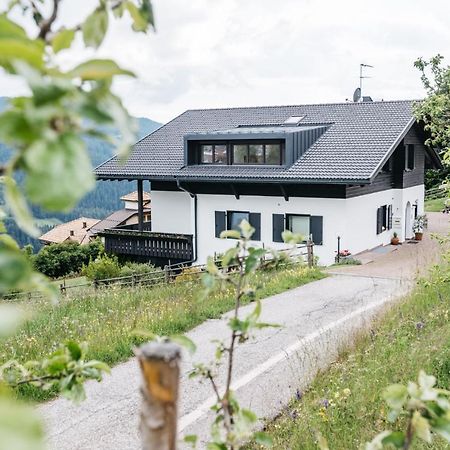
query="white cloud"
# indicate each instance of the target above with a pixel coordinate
(215, 53)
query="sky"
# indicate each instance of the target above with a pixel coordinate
(224, 53)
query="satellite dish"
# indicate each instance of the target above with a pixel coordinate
(357, 95)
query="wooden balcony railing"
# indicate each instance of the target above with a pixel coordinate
(147, 244)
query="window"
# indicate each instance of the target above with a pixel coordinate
(230, 220)
(250, 153)
(303, 224)
(384, 218)
(409, 157)
(213, 154)
(298, 225)
(257, 153)
(234, 218)
(240, 154)
(207, 153)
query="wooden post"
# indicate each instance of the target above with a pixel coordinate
(309, 248)
(166, 274)
(160, 368)
(140, 205)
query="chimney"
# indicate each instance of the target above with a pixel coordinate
(84, 224)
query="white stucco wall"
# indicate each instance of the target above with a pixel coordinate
(333, 220)
(360, 233)
(172, 212)
(353, 219)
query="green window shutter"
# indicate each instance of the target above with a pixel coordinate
(255, 222)
(278, 227)
(221, 222)
(316, 229)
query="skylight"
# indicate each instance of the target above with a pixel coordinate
(293, 120)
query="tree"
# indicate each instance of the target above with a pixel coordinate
(434, 111)
(46, 132)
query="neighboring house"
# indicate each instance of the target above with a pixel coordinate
(77, 230)
(353, 170)
(128, 216)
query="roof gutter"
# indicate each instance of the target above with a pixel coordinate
(260, 180)
(194, 196)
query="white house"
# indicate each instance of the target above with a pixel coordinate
(353, 170)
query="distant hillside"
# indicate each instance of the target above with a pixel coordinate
(99, 203)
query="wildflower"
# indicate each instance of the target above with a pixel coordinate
(298, 394)
(419, 325)
(325, 403)
(347, 392)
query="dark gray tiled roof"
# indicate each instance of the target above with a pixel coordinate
(360, 137)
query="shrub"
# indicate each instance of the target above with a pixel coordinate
(189, 274)
(131, 268)
(277, 260)
(348, 261)
(58, 260)
(102, 268)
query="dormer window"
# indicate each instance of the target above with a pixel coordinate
(213, 153)
(255, 153)
(259, 145)
(268, 152)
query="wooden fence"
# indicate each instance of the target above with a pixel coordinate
(168, 274)
(435, 193)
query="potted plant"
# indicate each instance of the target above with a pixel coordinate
(395, 239)
(418, 226)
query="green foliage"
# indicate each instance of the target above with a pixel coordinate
(426, 408)
(436, 177)
(20, 426)
(132, 268)
(101, 268)
(58, 260)
(188, 274)
(45, 131)
(348, 261)
(434, 111)
(66, 369)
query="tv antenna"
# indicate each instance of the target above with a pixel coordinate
(362, 76)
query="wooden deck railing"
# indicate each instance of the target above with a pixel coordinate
(148, 244)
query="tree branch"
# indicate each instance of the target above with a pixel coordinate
(33, 380)
(37, 15)
(210, 377)
(46, 25)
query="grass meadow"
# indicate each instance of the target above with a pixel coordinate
(106, 319)
(344, 403)
(434, 205)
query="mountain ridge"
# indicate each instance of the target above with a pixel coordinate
(97, 204)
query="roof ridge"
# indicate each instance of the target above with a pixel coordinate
(305, 104)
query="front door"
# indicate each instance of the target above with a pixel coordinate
(408, 224)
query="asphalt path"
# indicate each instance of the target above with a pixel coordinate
(316, 320)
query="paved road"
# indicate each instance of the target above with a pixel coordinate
(316, 319)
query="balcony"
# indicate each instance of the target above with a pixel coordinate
(148, 246)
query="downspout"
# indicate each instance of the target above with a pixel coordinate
(194, 196)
